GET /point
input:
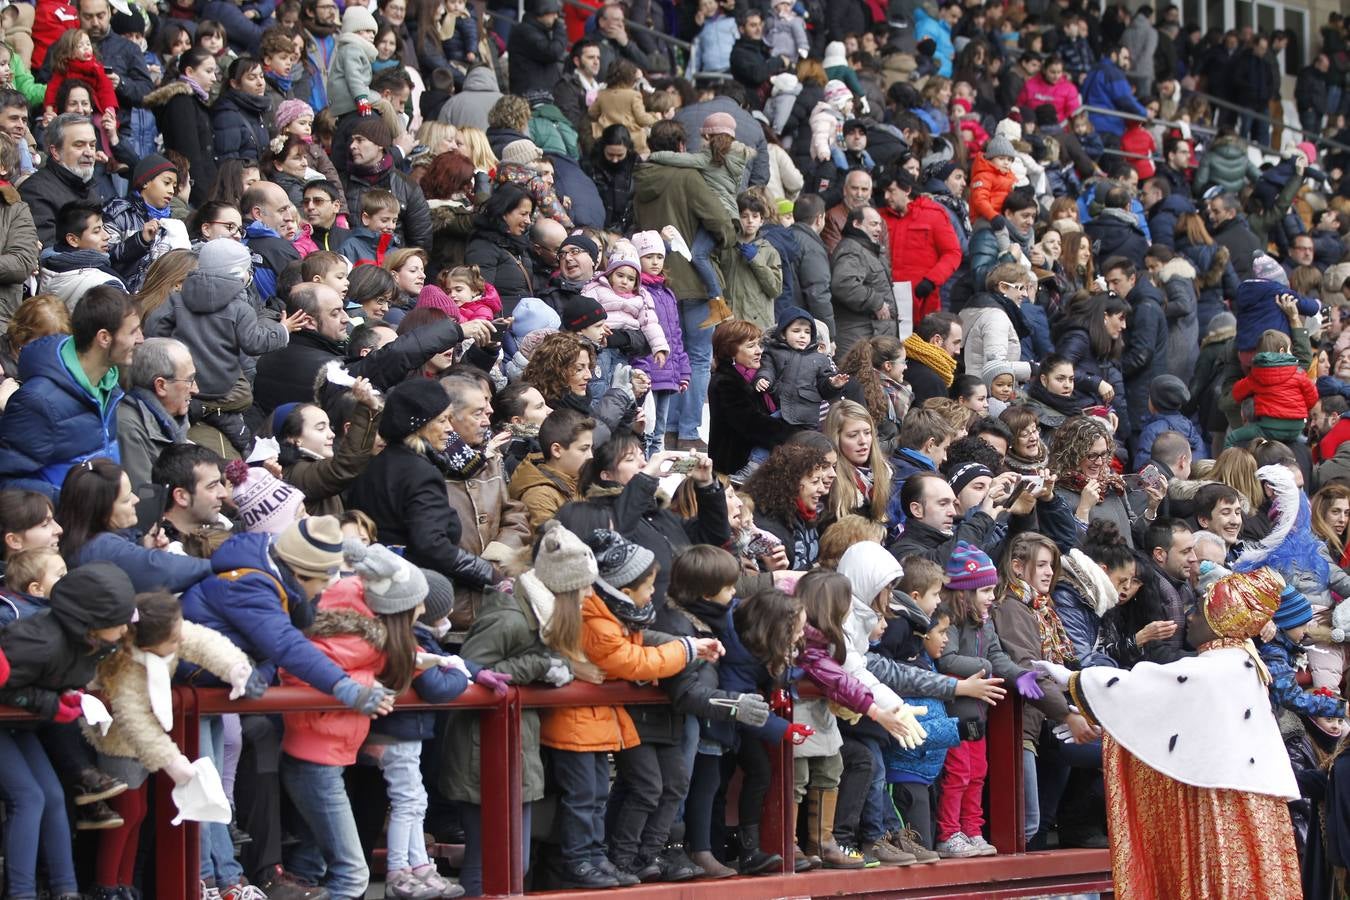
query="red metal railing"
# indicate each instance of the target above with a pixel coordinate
(1014, 873)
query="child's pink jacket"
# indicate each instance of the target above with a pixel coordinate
(636, 311)
(487, 308)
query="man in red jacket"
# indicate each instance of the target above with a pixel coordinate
(923, 244)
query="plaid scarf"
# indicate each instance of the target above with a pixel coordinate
(1055, 644)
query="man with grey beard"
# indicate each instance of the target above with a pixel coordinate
(66, 177)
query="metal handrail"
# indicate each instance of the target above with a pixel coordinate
(635, 26)
(1264, 117)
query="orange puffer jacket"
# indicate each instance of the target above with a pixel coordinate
(623, 657)
(989, 187)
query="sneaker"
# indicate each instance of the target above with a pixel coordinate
(985, 848)
(282, 885)
(888, 854)
(869, 858)
(210, 893)
(102, 892)
(958, 846)
(91, 786)
(908, 841)
(243, 891)
(624, 877)
(97, 817)
(448, 887)
(586, 875)
(404, 885)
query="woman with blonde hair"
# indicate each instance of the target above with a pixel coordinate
(36, 317)
(408, 265)
(473, 143)
(863, 482)
(164, 277)
(1236, 468)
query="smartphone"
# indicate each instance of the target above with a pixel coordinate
(762, 544)
(1017, 491)
(1033, 483)
(680, 466)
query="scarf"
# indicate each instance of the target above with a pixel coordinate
(153, 213)
(1055, 644)
(932, 356)
(1065, 406)
(459, 460)
(633, 617)
(1024, 466)
(862, 478)
(372, 174)
(196, 89)
(749, 375)
(808, 516)
(158, 684)
(281, 82)
(1110, 482)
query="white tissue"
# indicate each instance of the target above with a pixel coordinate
(679, 246)
(95, 713)
(333, 373)
(264, 448)
(203, 798)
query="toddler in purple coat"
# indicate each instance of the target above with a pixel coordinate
(672, 378)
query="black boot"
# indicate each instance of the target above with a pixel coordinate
(585, 875)
(754, 861)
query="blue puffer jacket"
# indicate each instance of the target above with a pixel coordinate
(1162, 219)
(1155, 425)
(923, 764)
(1106, 86)
(1081, 624)
(740, 672)
(925, 26)
(149, 570)
(52, 422)
(1257, 311)
(712, 45)
(243, 601)
(436, 685)
(1278, 655)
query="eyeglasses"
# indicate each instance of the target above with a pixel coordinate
(1098, 457)
(231, 229)
(571, 251)
(1020, 288)
(191, 379)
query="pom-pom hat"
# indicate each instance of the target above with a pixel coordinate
(969, 568)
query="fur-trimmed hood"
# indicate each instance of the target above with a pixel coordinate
(1176, 267)
(162, 95)
(343, 613)
(1212, 277)
(1219, 335)
(1090, 581)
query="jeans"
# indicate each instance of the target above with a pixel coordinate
(583, 788)
(401, 765)
(656, 433)
(701, 251)
(218, 863)
(652, 783)
(37, 817)
(878, 816)
(1031, 795)
(471, 870)
(234, 745)
(329, 843)
(698, 344)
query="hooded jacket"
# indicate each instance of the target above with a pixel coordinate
(1082, 596)
(1177, 277)
(53, 422)
(1281, 388)
(468, 108)
(994, 327)
(349, 73)
(69, 273)
(860, 284)
(923, 246)
(989, 187)
(1162, 218)
(1225, 162)
(869, 568)
(1256, 310)
(49, 652)
(798, 379)
(542, 490)
(237, 120)
(214, 317)
(636, 311)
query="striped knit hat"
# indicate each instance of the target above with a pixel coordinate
(970, 568)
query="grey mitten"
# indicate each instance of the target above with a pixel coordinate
(559, 673)
(358, 698)
(752, 710)
(1340, 622)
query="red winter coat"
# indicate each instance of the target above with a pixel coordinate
(923, 244)
(1139, 141)
(1281, 387)
(52, 19)
(89, 71)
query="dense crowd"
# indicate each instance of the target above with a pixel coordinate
(898, 350)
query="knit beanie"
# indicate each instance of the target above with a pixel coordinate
(522, 152)
(718, 123)
(1046, 117)
(622, 262)
(837, 93)
(290, 110)
(1308, 150)
(440, 601)
(392, 584)
(580, 312)
(1294, 610)
(373, 129)
(410, 405)
(312, 547)
(999, 146)
(620, 561)
(225, 257)
(584, 243)
(358, 18)
(648, 243)
(995, 368)
(149, 168)
(835, 55)
(532, 314)
(943, 170)
(1168, 393)
(1221, 321)
(965, 473)
(1266, 268)
(266, 504)
(563, 562)
(970, 568)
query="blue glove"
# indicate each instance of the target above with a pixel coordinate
(748, 251)
(359, 698)
(1027, 686)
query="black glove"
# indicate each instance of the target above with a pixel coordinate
(924, 288)
(630, 343)
(998, 223)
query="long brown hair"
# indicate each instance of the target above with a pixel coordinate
(1023, 549)
(563, 631)
(1236, 468)
(400, 650)
(863, 362)
(826, 597)
(1322, 501)
(1192, 227)
(766, 624)
(845, 497)
(163, 277)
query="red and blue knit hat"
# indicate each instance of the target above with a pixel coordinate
(970, 568)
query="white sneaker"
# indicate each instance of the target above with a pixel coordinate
(980, 844)
(958, 846)
(209, 893)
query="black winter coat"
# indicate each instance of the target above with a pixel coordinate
(615, 185)
(738, 421)
(287, 375)
(799, 121)
(504, 263)
(1242, 243)
(692, 690)
(184, 120)
(1112, 236)
(240, 130)
(1145, 355)
(537, 55)
(414, 216)
(1089, 372)
(753, 63)
(924, 381)
(50, 188)
(405, 493)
